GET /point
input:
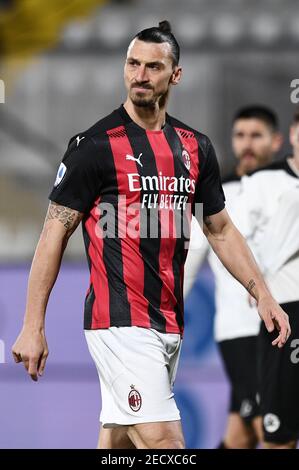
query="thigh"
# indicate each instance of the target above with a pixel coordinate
(163, 435)
(240, 361)
(134, 369)
(115, 438)
(144, 388)
(279, 382)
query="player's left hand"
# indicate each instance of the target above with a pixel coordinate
(274, 317)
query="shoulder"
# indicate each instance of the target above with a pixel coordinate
(97, 132)
(268, 178)
(270, 170)
(186, 131)
(84, 148)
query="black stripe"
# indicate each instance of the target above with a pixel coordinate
(149, 247)
(86, 242)
(90, 298)
(119, 307)
(89, 301)
(176, 146)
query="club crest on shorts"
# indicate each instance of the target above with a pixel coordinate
(271, 422)
(134, 399)
(246, 408)
(186, 159)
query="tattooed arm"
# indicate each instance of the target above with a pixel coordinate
(69, 218)
(31, 346)
(234, 253)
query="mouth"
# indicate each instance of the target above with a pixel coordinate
(140, 89)
(248, 156)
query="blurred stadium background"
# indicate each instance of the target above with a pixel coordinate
(61, 63)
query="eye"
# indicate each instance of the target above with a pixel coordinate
(132, 62)
(154, 66)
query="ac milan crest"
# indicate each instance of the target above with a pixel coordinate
(186, 159)
(134, 399)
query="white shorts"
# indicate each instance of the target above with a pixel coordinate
(137, 369)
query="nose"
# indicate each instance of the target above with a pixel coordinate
(247, 142)
(141, 74)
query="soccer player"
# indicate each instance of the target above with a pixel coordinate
(255, 140)
(270, 198)
(134, 168)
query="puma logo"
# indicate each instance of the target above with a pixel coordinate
(79, 140)
(134, 159)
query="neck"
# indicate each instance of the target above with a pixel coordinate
(152, 118)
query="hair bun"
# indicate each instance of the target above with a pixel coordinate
(165, 26)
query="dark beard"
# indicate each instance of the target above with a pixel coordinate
(143, 103)
(150, 102)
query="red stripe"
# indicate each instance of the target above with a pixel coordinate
(133, 267)
(98, 275)
(165, 165)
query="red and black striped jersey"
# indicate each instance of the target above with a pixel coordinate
(135, 188)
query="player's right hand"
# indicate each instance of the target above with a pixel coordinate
(31, 348)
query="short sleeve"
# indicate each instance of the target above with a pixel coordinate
(209, 190)
(78, 180)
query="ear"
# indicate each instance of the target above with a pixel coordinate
(277, 142)
(294, 134)
(176, 75)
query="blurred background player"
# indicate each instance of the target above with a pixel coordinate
(255, 140)
(270, 198)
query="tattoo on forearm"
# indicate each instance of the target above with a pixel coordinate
(68, 217)
(250, 286)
